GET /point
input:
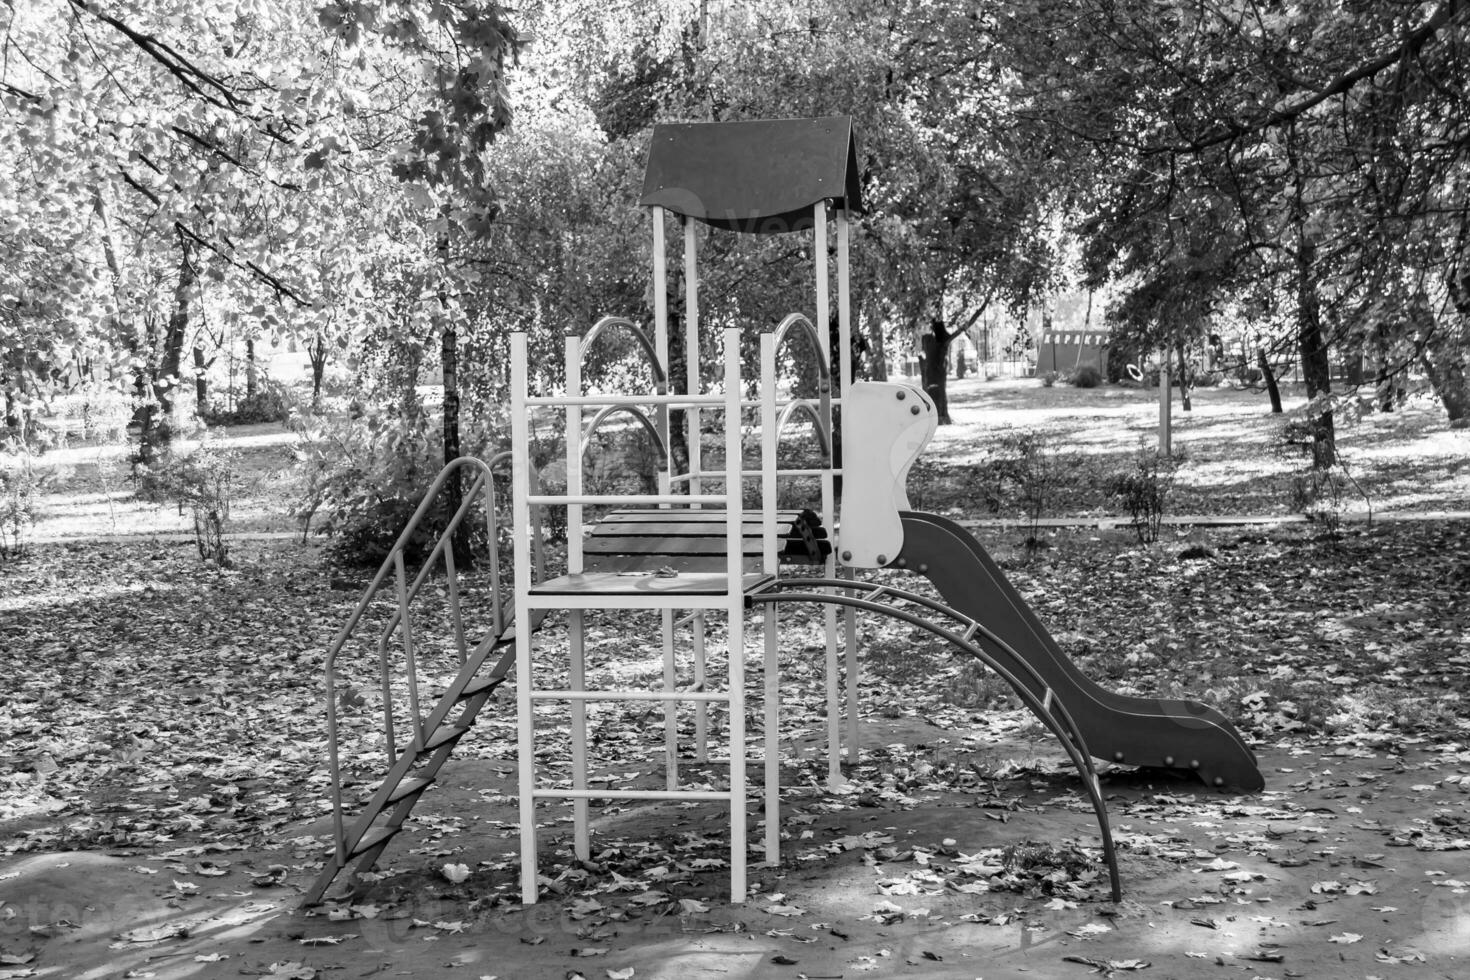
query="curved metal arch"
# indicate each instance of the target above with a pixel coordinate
(637, 413)
(650, 354)
(1048, 710)
(808, 408)
(795, 320)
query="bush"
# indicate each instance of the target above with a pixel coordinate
(1085, 376)
(272, 402)
(1144, 490)
(364, 477)
(21, 483)
(206, 481)
(1049, 378)
(1021, 468)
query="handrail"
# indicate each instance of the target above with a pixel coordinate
(811, 411)
(793, 320)
(640, 415)
(660, 378)
(393, 563)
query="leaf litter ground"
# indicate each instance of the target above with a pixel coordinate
(162, 789)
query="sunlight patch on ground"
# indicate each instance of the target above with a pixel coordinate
(66, 595)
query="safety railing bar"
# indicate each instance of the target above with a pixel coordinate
(410, 655)
(456, 615)
(807, 406)
(660, 377)
(792, 320)
(637, 413)
(442, 545)
(334, 760)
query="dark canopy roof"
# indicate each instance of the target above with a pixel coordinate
(759, 176)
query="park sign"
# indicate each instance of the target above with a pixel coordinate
(1067, 350)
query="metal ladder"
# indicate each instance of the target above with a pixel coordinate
(433, 737)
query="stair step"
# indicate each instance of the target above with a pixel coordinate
(448, 733)
(373, 838)
(480, 685)
(410, 787)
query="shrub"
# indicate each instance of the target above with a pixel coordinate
(362, 479)
(272, 402)
(1049, 378)
(206, 481)
(1086, 376)
(1022, 468)
(1144, 490)
(21, 483)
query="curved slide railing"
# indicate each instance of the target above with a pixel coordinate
(1167, 733)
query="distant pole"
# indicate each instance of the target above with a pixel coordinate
(1166, 447)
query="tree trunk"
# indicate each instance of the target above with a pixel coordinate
(1311, 344)
(679, 435)
(1186, 381)
(1272, 389)
(877, 358)
(201, 381)
(1450, 383)
(454, 489)
(157, 428)
(252, 369)
(931, 368)
(316, 352)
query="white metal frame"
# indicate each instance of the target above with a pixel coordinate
(695, 484)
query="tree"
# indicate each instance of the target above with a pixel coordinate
(1327, 133)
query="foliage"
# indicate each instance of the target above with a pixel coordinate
(1085, 376)
(1049, 378)
(22, 481)
(206, 480)
(1143, 489)
(271, 402)
(362, 478)
(1021, 468)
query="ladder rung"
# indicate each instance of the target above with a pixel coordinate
(373, 838)
(410, 787)
(629, 696)
(631, 794)
(448, 733)
(481, 685)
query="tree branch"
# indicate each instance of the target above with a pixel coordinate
(1412, 43)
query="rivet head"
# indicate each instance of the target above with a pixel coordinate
(847, 556)
(1168, 760)
(1219, 780)
(1117, 757)
(1194, 763)
(913, 410)
(882, 559)
(923, 569)
(902, 395)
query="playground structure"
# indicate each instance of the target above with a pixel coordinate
(696, 555)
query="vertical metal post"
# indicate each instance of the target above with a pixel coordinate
(850, 641)
(701, 708)
(577, 681)
(1166, 398)
(520, 531)
(671, 708)
(576, 633)
(691, 353)
(844, 303)
(409, 655)
(735, 607)
(771, 662)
